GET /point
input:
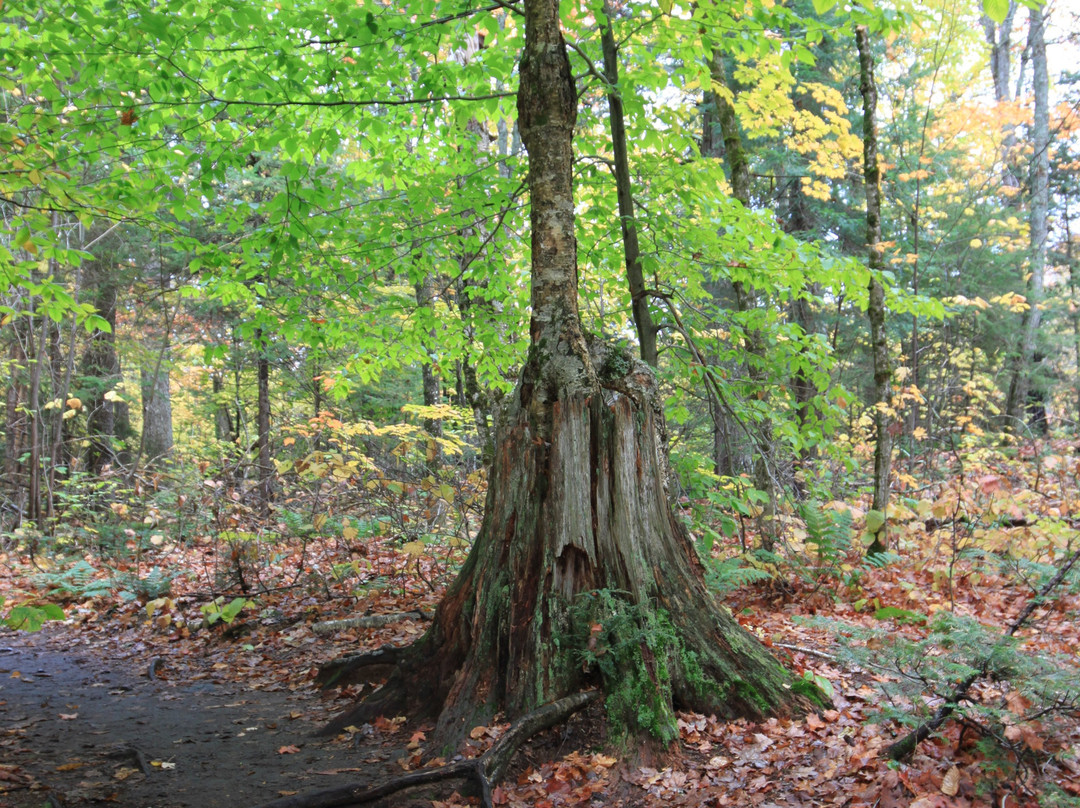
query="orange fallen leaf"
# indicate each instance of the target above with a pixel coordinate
(288, 750)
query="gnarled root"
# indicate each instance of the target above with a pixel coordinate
(356, 668)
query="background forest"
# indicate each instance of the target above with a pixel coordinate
(264, 288)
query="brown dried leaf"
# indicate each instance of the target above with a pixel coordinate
(950, 784)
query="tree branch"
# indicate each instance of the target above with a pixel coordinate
(906, 745)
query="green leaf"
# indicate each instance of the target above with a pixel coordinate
(997, 10)
(899, 615)
(53, 612)
(874, 521)
(822, 6)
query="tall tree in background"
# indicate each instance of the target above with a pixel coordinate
(577, 528)
(738, 166)
(639, 298)
(875, 309)
(1024, 356)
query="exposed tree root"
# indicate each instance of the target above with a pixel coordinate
(486, 770)
(363, 667)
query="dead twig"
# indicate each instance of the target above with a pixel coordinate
(906, 745)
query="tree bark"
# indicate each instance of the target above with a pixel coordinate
(1024, 357)
(223, 426)
(157, 439)
(106, 422)
(577, 530)
(639, 299)
(432, 389)
(262, 424)
(875, 310)
(999, 38)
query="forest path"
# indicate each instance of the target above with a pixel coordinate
(77, 730)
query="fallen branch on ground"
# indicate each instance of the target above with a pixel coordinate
(906, 745)
(486, 770)
(367, 621)
(344, 670)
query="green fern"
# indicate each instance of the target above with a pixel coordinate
(727, 574)
(79, 580)
(827, 531)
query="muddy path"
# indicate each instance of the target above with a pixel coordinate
(78, 729)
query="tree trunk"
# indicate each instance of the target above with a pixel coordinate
(1019, 384)
(1074, 306)
(425, 298)
(739, 176)
(34, 510)
(157, 441)
(578, 540)
(999, 38)
(100, 363)
(639, 299)
(262, 425)
(875, 310)
(223, 426)
(15, 422)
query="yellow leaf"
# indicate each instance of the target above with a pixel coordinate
(415, 549)
(319, 521)
(349, 533)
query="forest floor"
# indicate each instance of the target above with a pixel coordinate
(136, 702)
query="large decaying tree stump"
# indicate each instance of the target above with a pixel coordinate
(581, 556)
(581, 573)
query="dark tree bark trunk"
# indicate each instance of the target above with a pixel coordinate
(100, 362)
(577, 529)
(34, 506)
(639, 298)
(875, 310)
(15, 417)
(262, 425)
(432, 389)
(223, 426)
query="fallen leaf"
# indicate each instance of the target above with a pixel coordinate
(124, 773)
(68, 716)
(288, 750)
(950, 784)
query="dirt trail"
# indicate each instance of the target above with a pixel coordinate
(76, 731)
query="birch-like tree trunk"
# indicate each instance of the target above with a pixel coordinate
(1024, 356)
